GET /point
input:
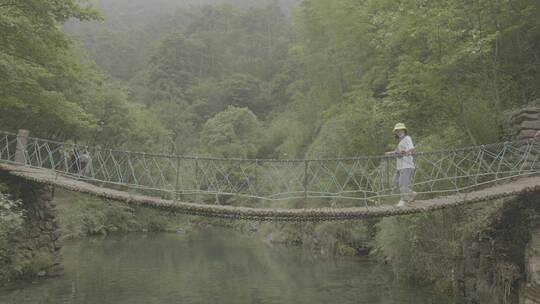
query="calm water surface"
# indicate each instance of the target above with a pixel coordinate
(209, 267)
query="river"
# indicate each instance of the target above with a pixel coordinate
(210, 267)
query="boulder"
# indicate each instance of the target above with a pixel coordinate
(534, 109)
(44, 240)
(530, 289)
(530, 124)
(521, 117)
(526, 134)
(55, 270)
(55, 235)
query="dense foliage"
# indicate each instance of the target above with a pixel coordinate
(11, 223)
(330, 78)
(12, 263)
(83, 216)
(259, 79)
(49, 87)
(448, 68)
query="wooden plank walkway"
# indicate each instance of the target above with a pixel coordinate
(44, 176)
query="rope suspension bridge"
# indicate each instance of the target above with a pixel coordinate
(348, 188)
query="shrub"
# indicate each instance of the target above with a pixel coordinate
(11, 221)
(84, 216)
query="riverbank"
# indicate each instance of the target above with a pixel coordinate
(472, 254)
(476, 254)
(210, 266)
(34, 225)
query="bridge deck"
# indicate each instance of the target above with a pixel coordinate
(44, 176)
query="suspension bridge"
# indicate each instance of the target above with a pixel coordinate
(327, 189)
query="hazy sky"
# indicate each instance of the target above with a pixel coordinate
(123, 15)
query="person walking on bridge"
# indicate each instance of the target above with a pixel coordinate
(85, 164)
(405, 164)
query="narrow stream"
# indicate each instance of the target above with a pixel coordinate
(209, 267)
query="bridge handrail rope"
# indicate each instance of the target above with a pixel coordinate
(341, 180)
(203, 157)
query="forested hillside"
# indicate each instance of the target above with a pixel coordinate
(49, 88)
(281, 79)
(271, 79)
(317, 79)
(321, 78)
(187, 62)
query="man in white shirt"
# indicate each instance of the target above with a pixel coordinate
(405, 164)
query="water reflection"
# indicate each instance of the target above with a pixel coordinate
(209, 268)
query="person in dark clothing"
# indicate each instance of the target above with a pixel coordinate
(72, 162)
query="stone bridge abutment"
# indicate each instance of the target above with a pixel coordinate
(40, 239)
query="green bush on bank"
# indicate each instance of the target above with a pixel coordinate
(341, 239)
(25, 265)
(13, 263)
(84, 216)
(426, 248)
(460, 249)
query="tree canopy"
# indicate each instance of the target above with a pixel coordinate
(328, 79)
(50, 88)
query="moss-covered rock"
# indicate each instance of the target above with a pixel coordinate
(476, 253)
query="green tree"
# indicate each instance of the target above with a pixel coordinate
(235, 132)
(447, 68)
(241, 90)
(38, 69)
(51, 88)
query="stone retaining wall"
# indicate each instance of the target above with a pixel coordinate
(40, 238)
(530, 289)
(526, 123)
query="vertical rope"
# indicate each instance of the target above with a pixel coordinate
(177, 182)
(305, 184)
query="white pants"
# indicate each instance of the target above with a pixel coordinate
(402, 180)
